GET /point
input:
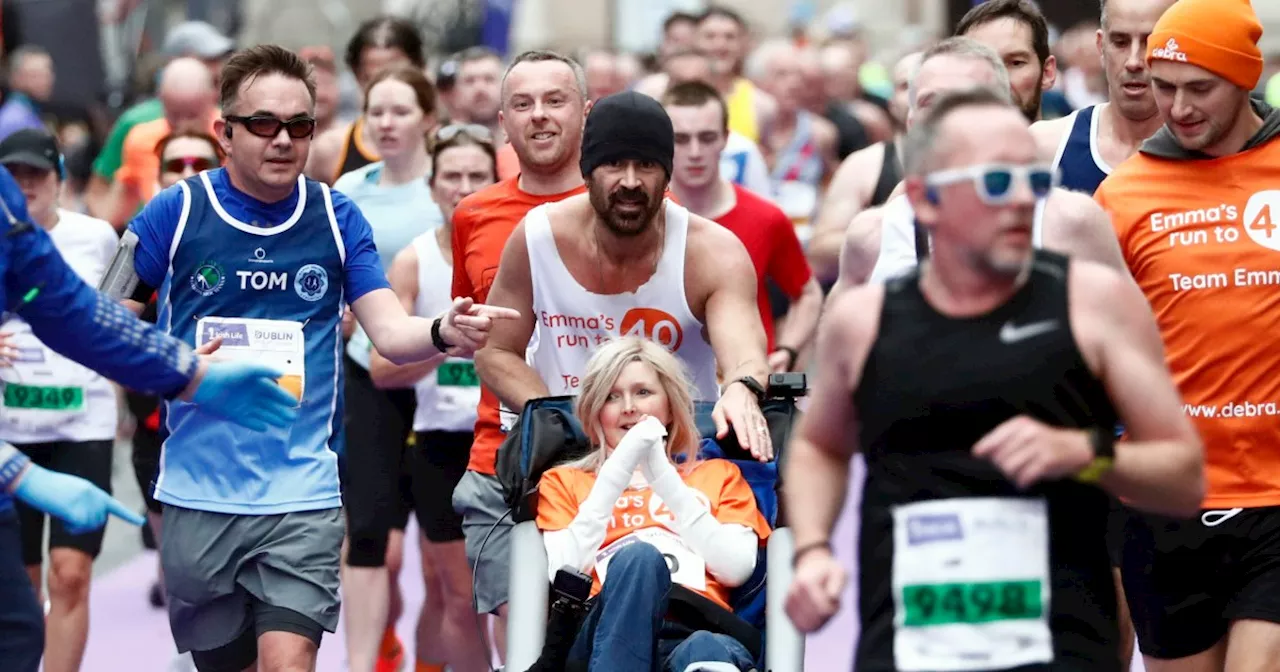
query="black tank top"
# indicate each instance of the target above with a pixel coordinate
(934, 517)
(890, 175)
(353, 157)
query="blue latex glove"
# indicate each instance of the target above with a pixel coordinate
(80, 504)
(246, 394)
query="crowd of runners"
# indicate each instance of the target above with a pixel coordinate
(1048, 339)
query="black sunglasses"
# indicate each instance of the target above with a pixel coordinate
(196, 163)
(267, 126)
(474, 131)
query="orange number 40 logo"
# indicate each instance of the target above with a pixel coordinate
(1262, 217)
(656, 325)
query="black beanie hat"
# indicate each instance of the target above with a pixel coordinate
(627, 125)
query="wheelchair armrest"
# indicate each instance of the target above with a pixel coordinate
(784, 645)
(528, 598)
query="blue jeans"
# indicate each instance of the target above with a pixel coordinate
(21, 618)
(626, 629)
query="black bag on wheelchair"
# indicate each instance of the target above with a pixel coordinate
(546, 434)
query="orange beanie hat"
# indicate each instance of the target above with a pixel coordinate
(1220, 36)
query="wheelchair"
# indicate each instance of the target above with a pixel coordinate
(547, 435)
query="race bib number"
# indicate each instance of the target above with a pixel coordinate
(276, 343)
(36, 397)
(971, 584)
(460, 373)
(43, 391)
(687, 568)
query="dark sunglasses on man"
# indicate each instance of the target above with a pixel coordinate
(268, 126)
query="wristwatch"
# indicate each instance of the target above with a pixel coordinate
(1104, 456)
(436, 338)
(751, 384)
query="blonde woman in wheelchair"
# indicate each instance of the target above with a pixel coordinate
(641, 512)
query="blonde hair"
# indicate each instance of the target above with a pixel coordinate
(603, 370)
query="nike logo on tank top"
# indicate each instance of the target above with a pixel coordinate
(961, 570)
(571, 321)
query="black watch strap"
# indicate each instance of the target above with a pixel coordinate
(1103, 443)
(436, 339)
(751, 384)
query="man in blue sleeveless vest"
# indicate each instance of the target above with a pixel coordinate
(77, 322)
(261, 261)
(1087, 143)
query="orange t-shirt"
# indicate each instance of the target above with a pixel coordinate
(482, 223)
(139, 165)
(508, 162)
(641, 510)
(1202, 239)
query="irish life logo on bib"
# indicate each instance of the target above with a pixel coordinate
(279, 344)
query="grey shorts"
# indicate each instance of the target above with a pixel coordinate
(218, 566)
(478, 499)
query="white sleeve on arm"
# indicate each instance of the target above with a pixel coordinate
(729, 549)
(576, 545)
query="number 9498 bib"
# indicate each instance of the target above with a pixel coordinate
(971, 584)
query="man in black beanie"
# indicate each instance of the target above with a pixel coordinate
(627, 128)
(624, 260)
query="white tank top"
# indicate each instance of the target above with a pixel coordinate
(570, 321)
(48, 397)
(898, 238)
(448, 396)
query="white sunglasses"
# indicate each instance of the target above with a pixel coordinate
(995, 182)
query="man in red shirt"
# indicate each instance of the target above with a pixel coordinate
(544, 105)
(700, 118)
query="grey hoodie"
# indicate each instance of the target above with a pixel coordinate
(1164, 146)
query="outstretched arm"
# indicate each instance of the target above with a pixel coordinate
(71, 318)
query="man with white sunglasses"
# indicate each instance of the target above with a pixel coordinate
(983, 390)
(881, 243)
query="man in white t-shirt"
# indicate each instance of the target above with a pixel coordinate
(59, 413)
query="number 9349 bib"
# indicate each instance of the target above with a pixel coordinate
(971, 584)
(43, 390)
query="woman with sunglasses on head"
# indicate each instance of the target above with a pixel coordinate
(448, 393)
(394, 196)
